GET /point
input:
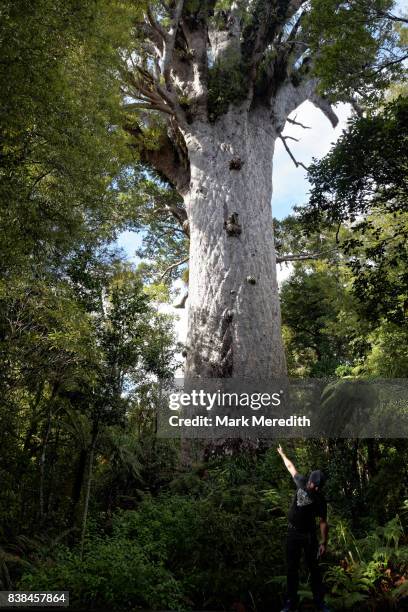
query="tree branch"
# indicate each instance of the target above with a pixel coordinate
(192, 61)
(304, 256)
(155, 83)
(292, 157)
(268, 20)
(155, 24)
(293, 7)
(165, 6)
(170, 42)
(326, 108)
(398, 60)
(392, 17)
(165, 159)
(177, 212)
(288, 98)
(156, 89)
(177, 264)
(294, 122)
(182, 301)
(301, 257)
(144, 90)
(290, 138)
(147, 106)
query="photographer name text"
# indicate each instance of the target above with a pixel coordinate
(242, 421)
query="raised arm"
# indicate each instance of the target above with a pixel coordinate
(289, 465)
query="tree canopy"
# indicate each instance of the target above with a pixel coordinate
(362, 185)
(191, 61)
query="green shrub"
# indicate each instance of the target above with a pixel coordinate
(175, 552)
(114, 572)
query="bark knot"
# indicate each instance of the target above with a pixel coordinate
(229, 315)
(251, 280)
(232, 225)
(236, 163)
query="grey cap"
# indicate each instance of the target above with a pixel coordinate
(317, 477)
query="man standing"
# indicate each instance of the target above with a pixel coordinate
(308, 503)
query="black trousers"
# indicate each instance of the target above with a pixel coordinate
(296, 543)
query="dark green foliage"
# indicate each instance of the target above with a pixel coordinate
(227, 84)
(60, 141)
(357, 48)
(317, 311)
(362, 183)
(214, 537)
(216, 546)
(82, 343)
(115, 572)
(158, 212)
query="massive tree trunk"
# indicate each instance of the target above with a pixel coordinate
(224, 78)
(234, 327)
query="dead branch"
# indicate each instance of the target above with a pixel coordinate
(294, 122)
(291, 138)
(292, 157)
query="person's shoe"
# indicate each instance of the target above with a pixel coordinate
(288, 607)
(322, 607)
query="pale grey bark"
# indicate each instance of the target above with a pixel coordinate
(223, 169)
(234, 324)
(234, 318)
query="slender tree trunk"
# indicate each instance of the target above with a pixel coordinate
(42, 461)
(43, 456)
(95, 431)
(53, 459)
(77, 486)
(32, 429)
(234, 327)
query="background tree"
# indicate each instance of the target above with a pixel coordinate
(362, 185)
(61, 142)
(322, 327)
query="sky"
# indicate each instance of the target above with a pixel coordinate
(290, 186)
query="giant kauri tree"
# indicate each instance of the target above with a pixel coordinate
(208, 89)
